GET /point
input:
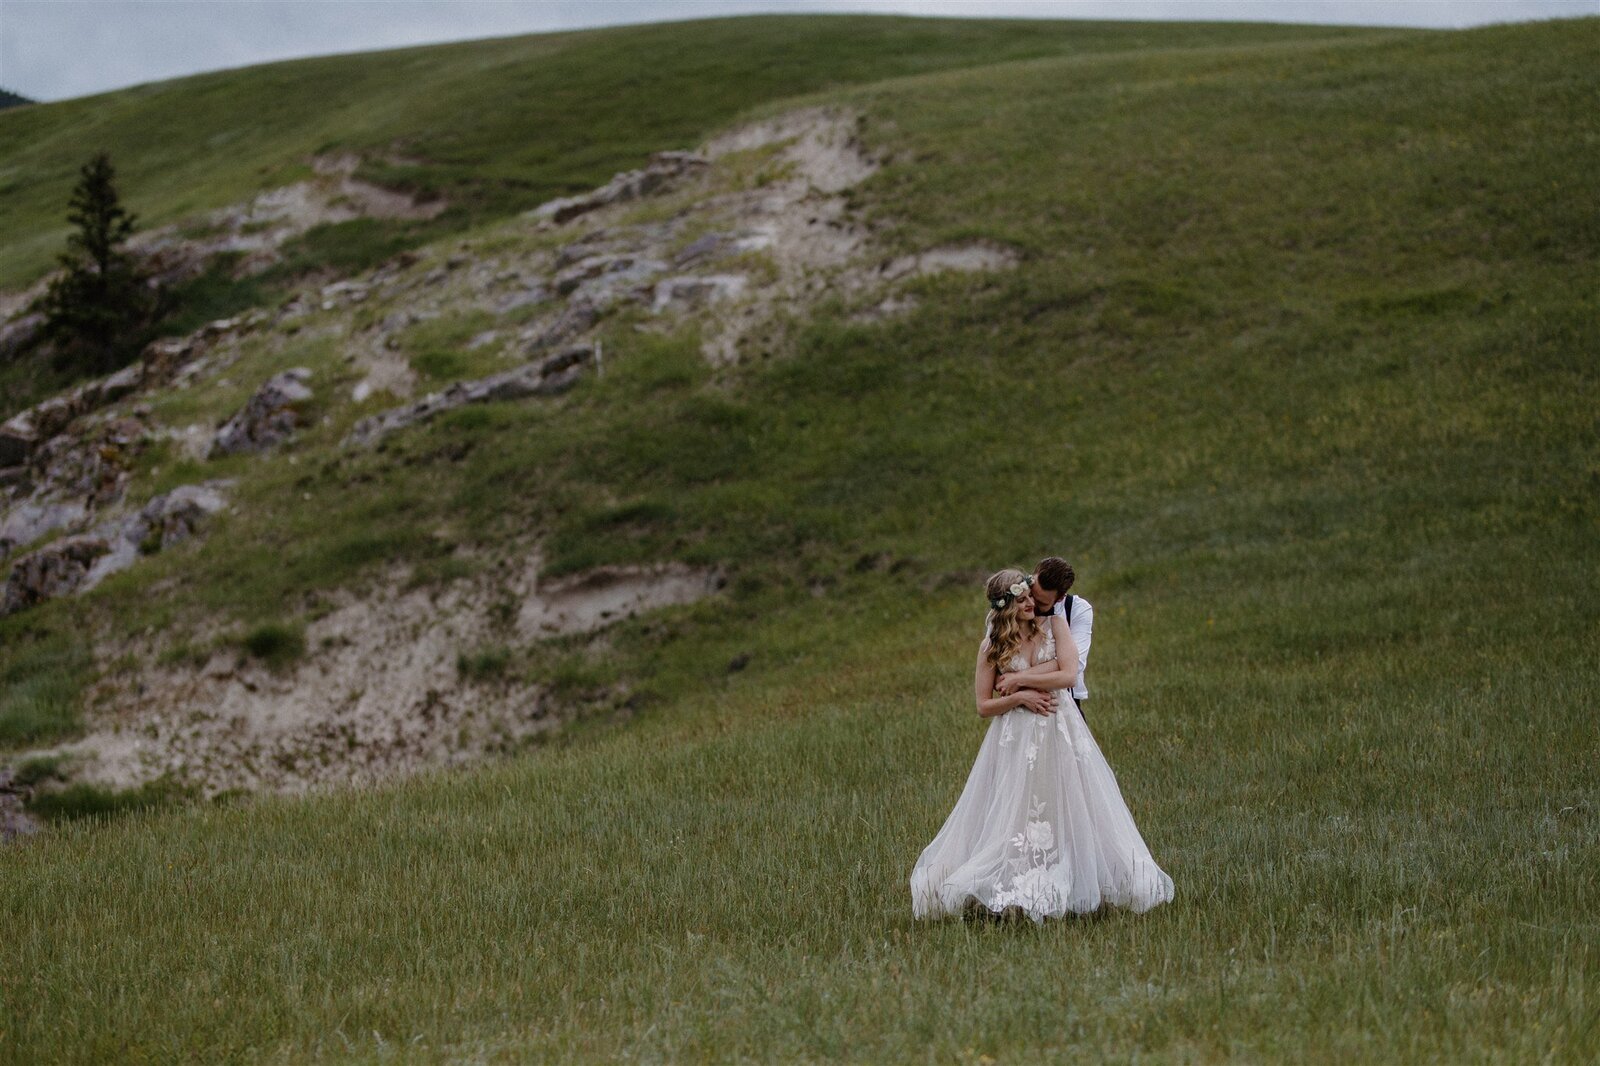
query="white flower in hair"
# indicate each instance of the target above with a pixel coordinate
(1008, 597)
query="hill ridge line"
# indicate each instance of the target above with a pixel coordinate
(1096, 57)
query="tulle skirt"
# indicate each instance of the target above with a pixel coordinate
(1040, 828)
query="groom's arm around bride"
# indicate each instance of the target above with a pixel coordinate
(1052, 579)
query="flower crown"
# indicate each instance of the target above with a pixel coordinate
(1006, 598)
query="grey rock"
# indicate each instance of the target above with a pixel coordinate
(168, 359)
(589, 267)
(120, 384)
(709, 245)
(32, 519)
(545, 377)
(663, 169)
(340, 293)
(564, 209)
(535, 294)
(218, 327)
(55, 414)
(18, 437)
(18, 333)
(123, 537)
(164, 358)
(54, 570)
(581, 248)
(268, 417)
(696, 290)
(625, 282)
(165, 520)
(578, 316)
(176, 515)
(92, 462)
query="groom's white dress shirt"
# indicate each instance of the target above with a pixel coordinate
(1081, 622)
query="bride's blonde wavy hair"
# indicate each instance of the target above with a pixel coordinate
(1007, 630)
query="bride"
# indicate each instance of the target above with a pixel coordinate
(1041, 828)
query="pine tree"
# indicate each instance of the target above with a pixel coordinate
(100, 308)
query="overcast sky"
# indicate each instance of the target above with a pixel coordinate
(55, 49)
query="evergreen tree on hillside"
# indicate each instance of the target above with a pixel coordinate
(99, 310)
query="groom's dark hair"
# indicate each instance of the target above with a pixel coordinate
(1055, 575)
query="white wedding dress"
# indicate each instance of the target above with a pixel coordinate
(1040, 825)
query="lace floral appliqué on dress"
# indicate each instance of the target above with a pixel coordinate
(1040, 826)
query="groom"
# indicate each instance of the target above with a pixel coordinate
(1051, 580)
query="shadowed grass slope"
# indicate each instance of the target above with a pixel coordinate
(1297, 370)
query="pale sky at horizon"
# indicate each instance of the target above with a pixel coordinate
(59, 49)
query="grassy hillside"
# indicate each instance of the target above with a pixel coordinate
(1298, 370)
(496, 125)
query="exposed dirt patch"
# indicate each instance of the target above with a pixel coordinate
(823, 147)
(966, 258)
(380, 691)
(377, 355)
(801, 221)
(790, 231)
(259, 227)
(585, 602)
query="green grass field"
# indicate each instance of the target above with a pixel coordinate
(1298, 370)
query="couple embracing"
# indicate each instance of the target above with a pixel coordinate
(1041, 829)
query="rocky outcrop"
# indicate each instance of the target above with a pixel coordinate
(267, 418)
(163, 361)
(165, 520)
(26, 430)
(706, 247)
(696, 290)
(574, 319)
(663, 168)
(19, 333)
(546, 377)
(178, 361)
(92, 464)
(257, 229)
(28, 521)
(18, 437)
(176, 516)
(79, 562)
(68, 478)
(56, 569)
(344, 293)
